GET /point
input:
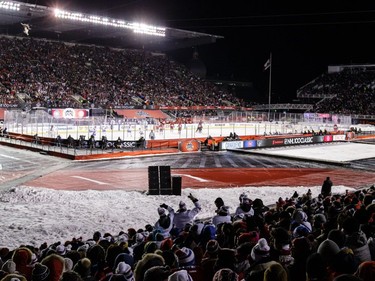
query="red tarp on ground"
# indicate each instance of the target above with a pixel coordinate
(141, 113)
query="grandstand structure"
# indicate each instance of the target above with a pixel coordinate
(73, 73)
(79, 27)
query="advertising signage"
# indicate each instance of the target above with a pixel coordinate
(293, 141)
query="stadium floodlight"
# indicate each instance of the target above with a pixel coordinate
(136, 27)
(8, 5)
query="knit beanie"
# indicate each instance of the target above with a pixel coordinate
(124, 269)
(180, 275)
(9, 266)
(315, 267)
(225, 274)
(366, 271)
(68, 264)
(275, 272)
(40, 272)
(161, 211)
(185, 256)
(328, 249)
(212, 246)
(260, 250)
(127, 258)
(83, 267)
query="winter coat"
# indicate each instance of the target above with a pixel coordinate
(358, 243)
(162, 227)
(182, 218)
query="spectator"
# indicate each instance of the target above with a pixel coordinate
(326, 187)
(185, 216)
(165, 222)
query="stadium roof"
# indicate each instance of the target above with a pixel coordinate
(44, 24)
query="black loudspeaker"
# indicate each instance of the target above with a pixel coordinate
(176, 185)
(165, 180)
(153, 180)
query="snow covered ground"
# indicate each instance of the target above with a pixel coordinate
(36, 215)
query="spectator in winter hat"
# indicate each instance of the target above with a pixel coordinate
(301, 231)
(157, 273)
(209, 259)
(226, 258)
(301, 250)
(68, 264)
(40, 272)
(166, 244)
(366, 271)
(337, 236)
(180, 275)
(356, 239)
(212, 248)
(125, 270)
(244, 208)
(139, 246)
(96, 254)
(218, 203)
(55, 264)
(281, 243)
(318, 221)
(260, 250)
(22, 258)
(225, 274)
(243, 252)
(125, 257)
(147, 261)
(184, 215)
(222, 216)
(96, 236)
(165, 222)
(83, 268)
(150, 247)
(185, 257)
(344, 262)
(251, 237)
(276, 272)
(258, 206)
(112, 252)
(61, 250)
(328, 249)
(9, 266)
(170, 258)
(208, 233)
(316, 268)
(299, 217)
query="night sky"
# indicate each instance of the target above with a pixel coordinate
(303, 36)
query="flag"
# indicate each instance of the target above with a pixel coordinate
(267, 65)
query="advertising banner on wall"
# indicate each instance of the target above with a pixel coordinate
(293, 141)
(70, 113)
(230, 145)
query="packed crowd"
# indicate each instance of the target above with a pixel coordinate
(57, 74)
(353, 91)
(330, 237)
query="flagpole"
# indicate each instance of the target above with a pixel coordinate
(269, 88)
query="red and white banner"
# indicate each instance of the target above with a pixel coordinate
(70, 113)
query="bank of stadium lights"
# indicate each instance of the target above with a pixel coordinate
(6, 5)
(136, 27)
